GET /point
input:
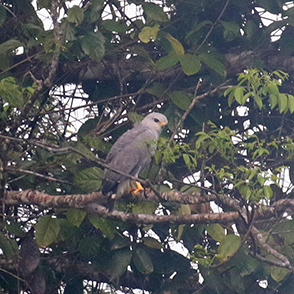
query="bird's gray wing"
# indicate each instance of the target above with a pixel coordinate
(124, 140)
(132, 159)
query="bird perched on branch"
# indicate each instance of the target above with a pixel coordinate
(131, 155)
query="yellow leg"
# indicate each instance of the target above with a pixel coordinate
(139, 188)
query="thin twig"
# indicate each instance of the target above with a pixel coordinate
(212, 27)
(13, 169)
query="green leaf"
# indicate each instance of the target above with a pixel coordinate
(232, 30)
(115, 26)
(47, 230)
(90, 179)
(10, 92)
(152, 243)
(245, 191)
(107, 227)
(142, 261)
(8, 246)
(216, 231)
(75, 14)
(283, 102)
(75, 216)
(278, 273)
(119, 262)
(273, 89)
(238, 94)
(157, 89)
(155, 12)
(258, 101)
(291, 103)
(177, 46)
(96, 7)
(181, 99)
(148, 33)
(229, 246)
(268, 192)
(68, 30)
(120, 241)
(10, 45)
(273, 100)
(213, 63)
(93, 45)
(167, 61)
(190, 64)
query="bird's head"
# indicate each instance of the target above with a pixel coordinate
(155, 121)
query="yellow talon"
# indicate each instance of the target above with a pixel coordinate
(138, 189)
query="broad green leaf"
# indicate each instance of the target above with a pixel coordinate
(258, 101)
(157, 89)
(291, 103)
(114, 26)
(273, 89)
(283, 102)
(93, 45)
(155, 12)
(181, 99)
(47, 230)
(187, 159)
(96, 7)
(238, 94)
(68, 30)
(245, 191)
(119, 262)
(177, 46)
(152, 243)
(120, 241)
(75, 216)
(142, 261)
(190, 64)
(245, 97)
(167, 61)
(90, 179)
(232, 30)
(184, 209)
(10, 45)
(273, 100)
(278, 273)
(229, 246)
(10, 92)
(75, 14)
(268, 192)
(213, 63)
(216, 231)
(8, 246)
(148, 33)
(107, 227)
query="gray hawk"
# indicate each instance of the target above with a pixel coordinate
(131, 154)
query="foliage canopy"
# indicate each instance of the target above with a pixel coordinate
(222, 174)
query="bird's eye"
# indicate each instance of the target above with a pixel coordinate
(156, 120)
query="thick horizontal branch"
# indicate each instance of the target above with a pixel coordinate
(93, 203)
(82, 200)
